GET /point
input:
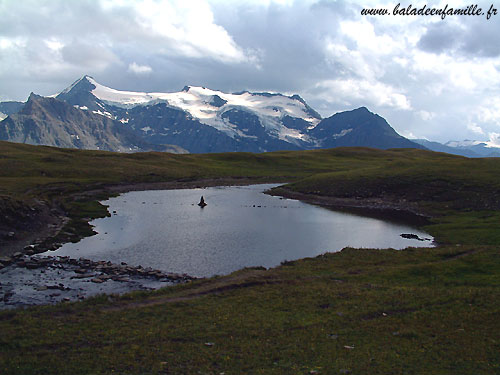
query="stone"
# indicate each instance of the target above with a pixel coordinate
(17, 254)
(97, 280)
(411, 236)
(83, 276)
(6, 260)
(202, 202)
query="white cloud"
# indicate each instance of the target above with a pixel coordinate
(350, 91)
(475, 128)
(185, 28)
(426, 116)
(139, 69)
(494, 140)
(489, 111)
(54, 44)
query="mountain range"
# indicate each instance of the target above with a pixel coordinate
(468, 148)
(89, 115)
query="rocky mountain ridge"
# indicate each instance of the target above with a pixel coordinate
(196, 119)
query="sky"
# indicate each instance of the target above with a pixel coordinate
(429, 77)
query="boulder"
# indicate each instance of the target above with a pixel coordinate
(6, 260)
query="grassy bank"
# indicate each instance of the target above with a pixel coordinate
(417, 311)
(425, 311)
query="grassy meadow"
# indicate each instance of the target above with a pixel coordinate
(358, 311)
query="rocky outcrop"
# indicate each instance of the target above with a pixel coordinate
(51, 122)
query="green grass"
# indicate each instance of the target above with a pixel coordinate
(360, 311)
(404, 312)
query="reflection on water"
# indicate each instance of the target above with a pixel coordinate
(240, 227)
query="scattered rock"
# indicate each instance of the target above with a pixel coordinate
(209, 344)
(94, 271)
(83, 276)
(17, 255)
(6, 260)
(32, 265)
(348, 347)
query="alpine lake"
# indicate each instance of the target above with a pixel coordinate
(240, 227)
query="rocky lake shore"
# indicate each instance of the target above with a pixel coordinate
(27, 280)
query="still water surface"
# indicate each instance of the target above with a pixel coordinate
(240, 227)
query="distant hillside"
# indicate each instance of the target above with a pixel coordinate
(470, 149)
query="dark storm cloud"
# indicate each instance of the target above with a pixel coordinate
(440, 37)
(482, 39)
(473, 37)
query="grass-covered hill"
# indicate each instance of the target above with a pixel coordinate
(359, 311)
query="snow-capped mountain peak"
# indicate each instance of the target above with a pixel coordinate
(209, 106)
(200, 119)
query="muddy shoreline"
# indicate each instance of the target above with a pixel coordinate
(386, 209)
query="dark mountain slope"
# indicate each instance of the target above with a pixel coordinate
(48, 121)
(359, 127)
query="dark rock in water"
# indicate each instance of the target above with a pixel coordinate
(411, 236)
(202, 202)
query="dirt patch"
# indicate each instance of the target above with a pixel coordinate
(25, 222)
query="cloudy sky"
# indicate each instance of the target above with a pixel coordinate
(430, 78)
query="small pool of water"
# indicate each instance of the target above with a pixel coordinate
(240, 227)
